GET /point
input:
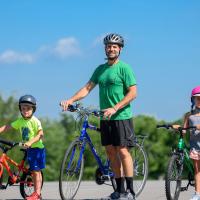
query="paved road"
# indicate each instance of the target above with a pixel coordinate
(154, 190)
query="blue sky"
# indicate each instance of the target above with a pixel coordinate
(50, 48)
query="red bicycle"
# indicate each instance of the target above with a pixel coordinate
(21, 175)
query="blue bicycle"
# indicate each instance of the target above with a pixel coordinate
(73, 162)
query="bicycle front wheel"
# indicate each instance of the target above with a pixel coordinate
(173, 178)
(71, 171)
(140, 168)
(27, 185)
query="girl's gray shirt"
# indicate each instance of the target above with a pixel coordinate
(194, 135)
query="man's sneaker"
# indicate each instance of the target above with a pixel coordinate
(127, 195)
(115, 195)
(195, 197)
(122, 196)
(34, 196)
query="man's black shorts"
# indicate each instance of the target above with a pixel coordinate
(117, 132)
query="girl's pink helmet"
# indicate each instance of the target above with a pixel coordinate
(195, 91)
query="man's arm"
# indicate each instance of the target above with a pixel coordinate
(83, 92)
(130, 96)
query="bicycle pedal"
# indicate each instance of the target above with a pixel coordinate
(105, 177)
(2, 187)
(184, 189)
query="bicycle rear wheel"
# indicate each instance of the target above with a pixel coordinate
(173, 178)
(140, 168)
(71, 171)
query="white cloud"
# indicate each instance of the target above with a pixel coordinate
(10, 56)
(63, 49)
(66, 47)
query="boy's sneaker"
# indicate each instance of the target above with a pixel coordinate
(34, 196)
(195, 197)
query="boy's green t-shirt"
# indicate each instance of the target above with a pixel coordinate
(29, 129)
(113, 83)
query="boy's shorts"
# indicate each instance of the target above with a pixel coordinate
(36, 158)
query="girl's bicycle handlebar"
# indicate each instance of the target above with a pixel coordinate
(180, 129)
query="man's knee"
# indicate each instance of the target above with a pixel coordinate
(123, 153)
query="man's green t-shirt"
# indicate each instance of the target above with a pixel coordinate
(113, 81)
(29, 129)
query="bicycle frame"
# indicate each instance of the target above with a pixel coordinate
(85, 139)
(184, 151)
(6, 160)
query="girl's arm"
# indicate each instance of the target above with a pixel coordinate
(35, 139)
(5, 128)
(185, 123)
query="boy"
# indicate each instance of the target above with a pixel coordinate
(32, 134)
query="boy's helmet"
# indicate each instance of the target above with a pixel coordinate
(195, 91)
(28, 99)
(114, 39)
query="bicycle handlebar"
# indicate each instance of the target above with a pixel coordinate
(84, 111)
(11, 144)
(168, 126)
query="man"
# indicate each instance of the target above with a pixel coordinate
(117, 88)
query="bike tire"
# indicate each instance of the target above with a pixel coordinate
(173, 176)
(140, 168)
(70, 173)
(27, 185)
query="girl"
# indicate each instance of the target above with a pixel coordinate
(193, 119)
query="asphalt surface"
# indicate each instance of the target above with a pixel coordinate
(154, 190)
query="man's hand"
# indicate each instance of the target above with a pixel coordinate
(109, 112)
(65, 103)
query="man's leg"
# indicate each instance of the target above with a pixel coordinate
(127, 164)
(116, 167)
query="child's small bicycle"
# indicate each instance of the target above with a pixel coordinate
(73, 162)
(178, 162)
(21, 176)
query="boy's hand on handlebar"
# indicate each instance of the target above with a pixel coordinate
(65, 103)
(27, 145)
